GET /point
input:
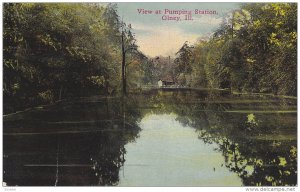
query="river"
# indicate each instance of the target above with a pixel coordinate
(155, 138)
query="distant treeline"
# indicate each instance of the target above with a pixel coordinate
(253, 50)
(53, 51)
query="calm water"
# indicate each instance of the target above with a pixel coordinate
(169, 154)
(158, 138)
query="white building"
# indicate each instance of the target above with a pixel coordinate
(160, 83)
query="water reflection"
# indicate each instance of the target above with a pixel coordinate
(158, 138)
(77, 143)
(169, 154)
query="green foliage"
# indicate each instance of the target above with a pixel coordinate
(52, 51)
(184, 58)
(254, 50)
(57, 50)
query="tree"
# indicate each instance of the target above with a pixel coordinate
(56, 51)
(128, 45)
(183, 62)
(254, 50)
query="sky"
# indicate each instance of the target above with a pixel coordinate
(156, 36)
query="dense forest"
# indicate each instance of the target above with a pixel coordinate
(253, 50)
(55, 51)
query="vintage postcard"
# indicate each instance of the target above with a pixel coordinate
(150, 94)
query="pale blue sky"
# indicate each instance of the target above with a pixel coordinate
(158, 37)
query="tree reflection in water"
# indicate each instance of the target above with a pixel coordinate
(254, 133)
(90, 135)
(260, 147)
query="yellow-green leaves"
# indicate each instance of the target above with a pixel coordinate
(251, 119)
(282, 161)
(97, 80)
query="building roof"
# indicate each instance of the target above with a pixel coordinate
(167, 79)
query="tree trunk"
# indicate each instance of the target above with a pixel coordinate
(123, 66)
(60, 92)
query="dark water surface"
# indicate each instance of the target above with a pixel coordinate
(158, 138)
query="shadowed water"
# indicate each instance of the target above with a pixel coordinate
(156, 138)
